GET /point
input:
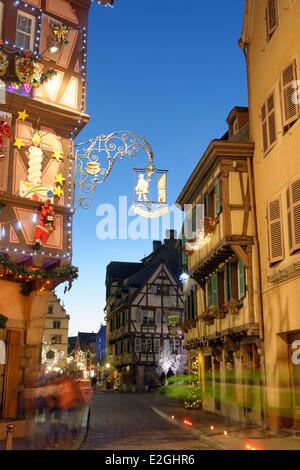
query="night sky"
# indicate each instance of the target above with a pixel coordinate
(170, 70)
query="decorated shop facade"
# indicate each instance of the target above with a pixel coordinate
(42, 109)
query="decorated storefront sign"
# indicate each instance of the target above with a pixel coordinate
(96, 158)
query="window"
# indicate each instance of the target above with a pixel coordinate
(191, 306)
(156, 342)
(271, 17)
(137, 345)
(147, 346)
(242, 279)
(276, 247)
(231, 281)
(293, 208)
(148, 317)
(56, 339)
(25, 30)
(174, 346)
(162, 290)
(56, 324)
(235, 126)
(50, 308)
(290, 106)
(269, 133)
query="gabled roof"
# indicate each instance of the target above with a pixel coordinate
(85, 339)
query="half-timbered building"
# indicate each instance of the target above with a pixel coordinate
(43, 52)
(222, 311)
(143, 313)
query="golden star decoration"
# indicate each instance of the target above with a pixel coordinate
(19, 143)
(58, 191)
(57, 155)
(22, 115)
(60, 179)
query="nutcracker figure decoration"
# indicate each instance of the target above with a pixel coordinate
(45, 225)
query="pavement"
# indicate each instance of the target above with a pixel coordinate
(151, 421)
(41, 437)
(226, 436)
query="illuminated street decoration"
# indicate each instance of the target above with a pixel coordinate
(94, 162)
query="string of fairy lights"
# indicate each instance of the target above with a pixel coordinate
(38, 13)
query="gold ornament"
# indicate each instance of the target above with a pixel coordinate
(59, 179)
(58, 191)
(61, 32)
(57, 155)
(22, 115)
(19, 143)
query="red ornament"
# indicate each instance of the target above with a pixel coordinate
(5, 130)
(45, 225)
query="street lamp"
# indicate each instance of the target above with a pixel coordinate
(107, 366)
(95, 159)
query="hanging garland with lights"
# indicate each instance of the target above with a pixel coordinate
(27, 68)
(29, 277)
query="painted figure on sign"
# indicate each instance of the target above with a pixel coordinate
(45, 225)
(142, 188)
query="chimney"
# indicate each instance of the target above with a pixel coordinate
(171, 234)
(156, 245)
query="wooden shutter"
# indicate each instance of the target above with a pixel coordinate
(289, 217)
(268, 121)
(156, 345)
(209, 292)
(206, 205)
(294, 210)
(271, 17)
(214, 289)
(242, 279)
(264, 127)
(194, 223)
(218, 197)
(184, 256)
(290, 109)
(12, 376)
(195, 304)
(138, 345)
(276, 247)
(271, 119)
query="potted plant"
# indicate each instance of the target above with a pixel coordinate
(3, 320)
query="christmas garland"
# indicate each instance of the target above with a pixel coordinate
(29, 276)
(27, 68)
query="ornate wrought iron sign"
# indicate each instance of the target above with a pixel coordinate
(94, 161)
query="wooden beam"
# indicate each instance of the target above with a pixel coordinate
(238, 250)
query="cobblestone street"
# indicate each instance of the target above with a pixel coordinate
(126, 421)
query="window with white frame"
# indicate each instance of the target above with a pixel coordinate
(174, 346)
(25, 30)
(148, 317)
(147, 345)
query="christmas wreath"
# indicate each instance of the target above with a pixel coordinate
(29, 71)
